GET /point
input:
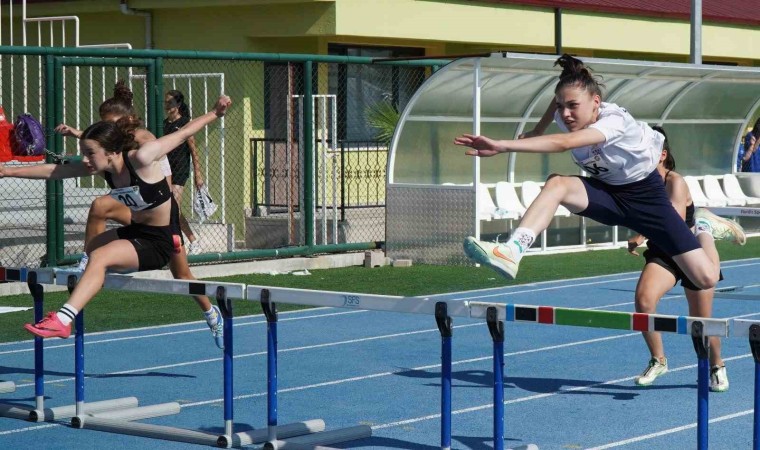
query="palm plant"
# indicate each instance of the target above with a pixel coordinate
(383, 117)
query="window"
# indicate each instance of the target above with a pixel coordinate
(359, 86)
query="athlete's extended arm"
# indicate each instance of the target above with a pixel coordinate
(45, 171)
(154, 150)
(552, 143)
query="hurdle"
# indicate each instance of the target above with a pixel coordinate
(122, 423)
(443, 311)
(35, 278)
(700, 329)
(750, 329)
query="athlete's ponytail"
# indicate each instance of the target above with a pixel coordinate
(669, 162)
(178, 100)
(575, 73)
(120, 105)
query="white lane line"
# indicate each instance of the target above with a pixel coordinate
(204, 328)
(536, 397)
(34, 428)
(670, 431)
(248, 355)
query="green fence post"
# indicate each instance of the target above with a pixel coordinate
(50, 143)
(58, 145)
(308, 157)
(158, 95)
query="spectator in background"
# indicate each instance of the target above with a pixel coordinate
(750, 160)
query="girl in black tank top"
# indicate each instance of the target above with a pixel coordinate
(107, 151)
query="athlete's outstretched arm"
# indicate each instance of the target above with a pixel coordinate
(154, 150)
(551, 143)
(46, 171)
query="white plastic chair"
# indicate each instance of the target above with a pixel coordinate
(487, 208)
(734, 190)
(529, 192)
(699, 197)
(714, 192)
(507, 200)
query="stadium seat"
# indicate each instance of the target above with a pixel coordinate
(487, 209)
(714, 192)
(699, 198)
(507, 200)
(734, 191)
(530, 190)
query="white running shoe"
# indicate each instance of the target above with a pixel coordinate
(722, 228)
(718, 379)
(653, 370)
(497, 256)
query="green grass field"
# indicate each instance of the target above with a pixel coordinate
(117, 310)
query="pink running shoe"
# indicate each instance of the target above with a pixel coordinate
(50, 326)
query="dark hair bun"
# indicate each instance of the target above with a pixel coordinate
(122, 93)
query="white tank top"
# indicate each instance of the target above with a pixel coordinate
(630, 152)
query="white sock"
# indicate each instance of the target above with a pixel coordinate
(66, 314)
(83, 262)
(212, 317)
(521, 240)
(702, 226)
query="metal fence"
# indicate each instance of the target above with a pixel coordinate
(289, 171)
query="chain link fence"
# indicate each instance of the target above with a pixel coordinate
(285, 169)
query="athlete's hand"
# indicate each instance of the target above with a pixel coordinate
(221, 106)
(480, 145)
(65, 130)
(2, 171)
(633, 243)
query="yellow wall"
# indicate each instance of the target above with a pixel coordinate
(440, 27)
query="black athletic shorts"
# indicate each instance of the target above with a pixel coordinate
(154, 245)
(655, 255)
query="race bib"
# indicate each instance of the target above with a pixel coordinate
(130, 197)
(595, 166)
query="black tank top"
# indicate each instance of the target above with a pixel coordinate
(690, 222)
(139, 195)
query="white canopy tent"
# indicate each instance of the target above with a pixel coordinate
(431, 201)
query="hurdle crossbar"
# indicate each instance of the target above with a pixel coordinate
(734, 211)
(599, 319)
(352, 300)
(741, 327)
(736, 293)
(159, 286)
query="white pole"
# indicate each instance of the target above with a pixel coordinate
(335, 167)
(476, 132)
(696, 32)
(323, 140)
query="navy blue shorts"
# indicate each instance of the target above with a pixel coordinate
(655, 255)
(642, 206)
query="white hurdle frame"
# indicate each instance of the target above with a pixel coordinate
(35, 278)
(121, 423)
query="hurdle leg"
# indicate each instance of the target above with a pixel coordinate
(270, 311)
(754, 344)
(39, 361)
(702, 347)
(496, 328)
(445, 327)
(225, 306)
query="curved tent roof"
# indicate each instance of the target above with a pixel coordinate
(704, 109)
